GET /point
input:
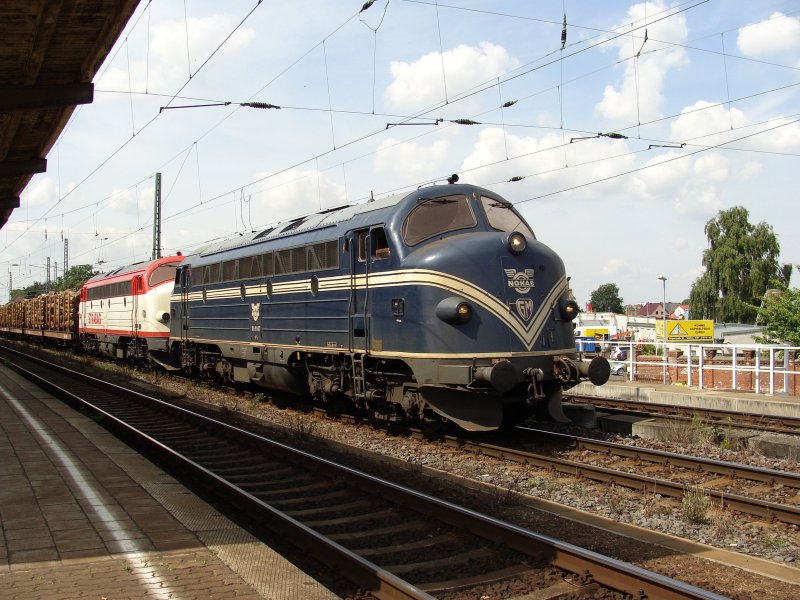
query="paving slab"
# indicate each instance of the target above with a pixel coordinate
(84, 516)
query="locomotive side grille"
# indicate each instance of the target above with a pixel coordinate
(283, 262)
(298, 260)
(324, 255)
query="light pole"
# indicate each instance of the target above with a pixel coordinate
(664, 330)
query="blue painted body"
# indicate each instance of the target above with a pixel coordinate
(367, 324)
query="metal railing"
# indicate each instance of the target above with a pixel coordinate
(757, 368)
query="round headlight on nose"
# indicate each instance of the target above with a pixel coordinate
(569, 310)
(517, 243)
(464, 312)
(454, 310)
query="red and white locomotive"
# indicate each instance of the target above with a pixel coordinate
(125, 313)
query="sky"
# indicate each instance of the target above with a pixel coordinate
(702, 96)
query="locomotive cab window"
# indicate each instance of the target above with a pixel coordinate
(362, 245)
(436, 216)
(501, 216)
(162, 273)
(380, 245)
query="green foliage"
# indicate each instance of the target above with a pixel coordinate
(73, 279)
(741, 263)
(606, 298)
(780, 315)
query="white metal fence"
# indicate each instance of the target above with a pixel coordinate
(757, 368)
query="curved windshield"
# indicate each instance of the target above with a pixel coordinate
(437, 216)
(501, 216)
(162, 273)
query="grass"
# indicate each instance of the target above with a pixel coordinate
(772, 543)
(696, 431)
(257, 399)
(695, 505)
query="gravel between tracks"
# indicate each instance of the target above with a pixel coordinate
(723, 529)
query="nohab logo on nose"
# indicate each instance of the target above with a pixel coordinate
(521, 281)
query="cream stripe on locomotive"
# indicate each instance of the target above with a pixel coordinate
(390, 353)
(526, 332)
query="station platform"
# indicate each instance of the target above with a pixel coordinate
(84, 516)
(777, 405)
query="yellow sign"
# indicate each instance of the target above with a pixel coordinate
(686, 331)
(595, 332)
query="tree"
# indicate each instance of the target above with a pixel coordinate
(741, 263)
(606, 298)
(780, 314)
(73, 279)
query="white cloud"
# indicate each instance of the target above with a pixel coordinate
(638, 97)
(697, 199)
(125, 201)
(413, 161)
(420, 83)
(657, 180)
(749, 170)
(713, 167)
(706, 118)
(779, 33)
(293, 193)
(544, 157)
(614, 266)
(783, 139)
(42, 192)
(167, 62)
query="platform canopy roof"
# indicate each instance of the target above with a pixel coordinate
(50, 50)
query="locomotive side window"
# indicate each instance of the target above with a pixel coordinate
(250, 267)
(380, 245)
(501, 216)
(200, 275)
(436, 216)
(213, 273)
(323, 255)
(299, 260)
(229, 270)
(283, 262)
(362, 245)
(267, 265)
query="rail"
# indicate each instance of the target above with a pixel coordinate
(758, 368)
(232, 461)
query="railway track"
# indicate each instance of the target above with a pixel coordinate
(727, 483)
(389, 540)
(720, 417)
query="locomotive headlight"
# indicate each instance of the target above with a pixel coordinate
(464, 312)
(517, 243)
(569, 310)
(454, 310)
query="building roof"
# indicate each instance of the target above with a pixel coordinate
(50, 52)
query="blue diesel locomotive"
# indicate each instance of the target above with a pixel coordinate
(434, 306)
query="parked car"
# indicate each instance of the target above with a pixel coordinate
(618, 368)
(619, 353)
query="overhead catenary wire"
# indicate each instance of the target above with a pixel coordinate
(317, 158)
(148, 123)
